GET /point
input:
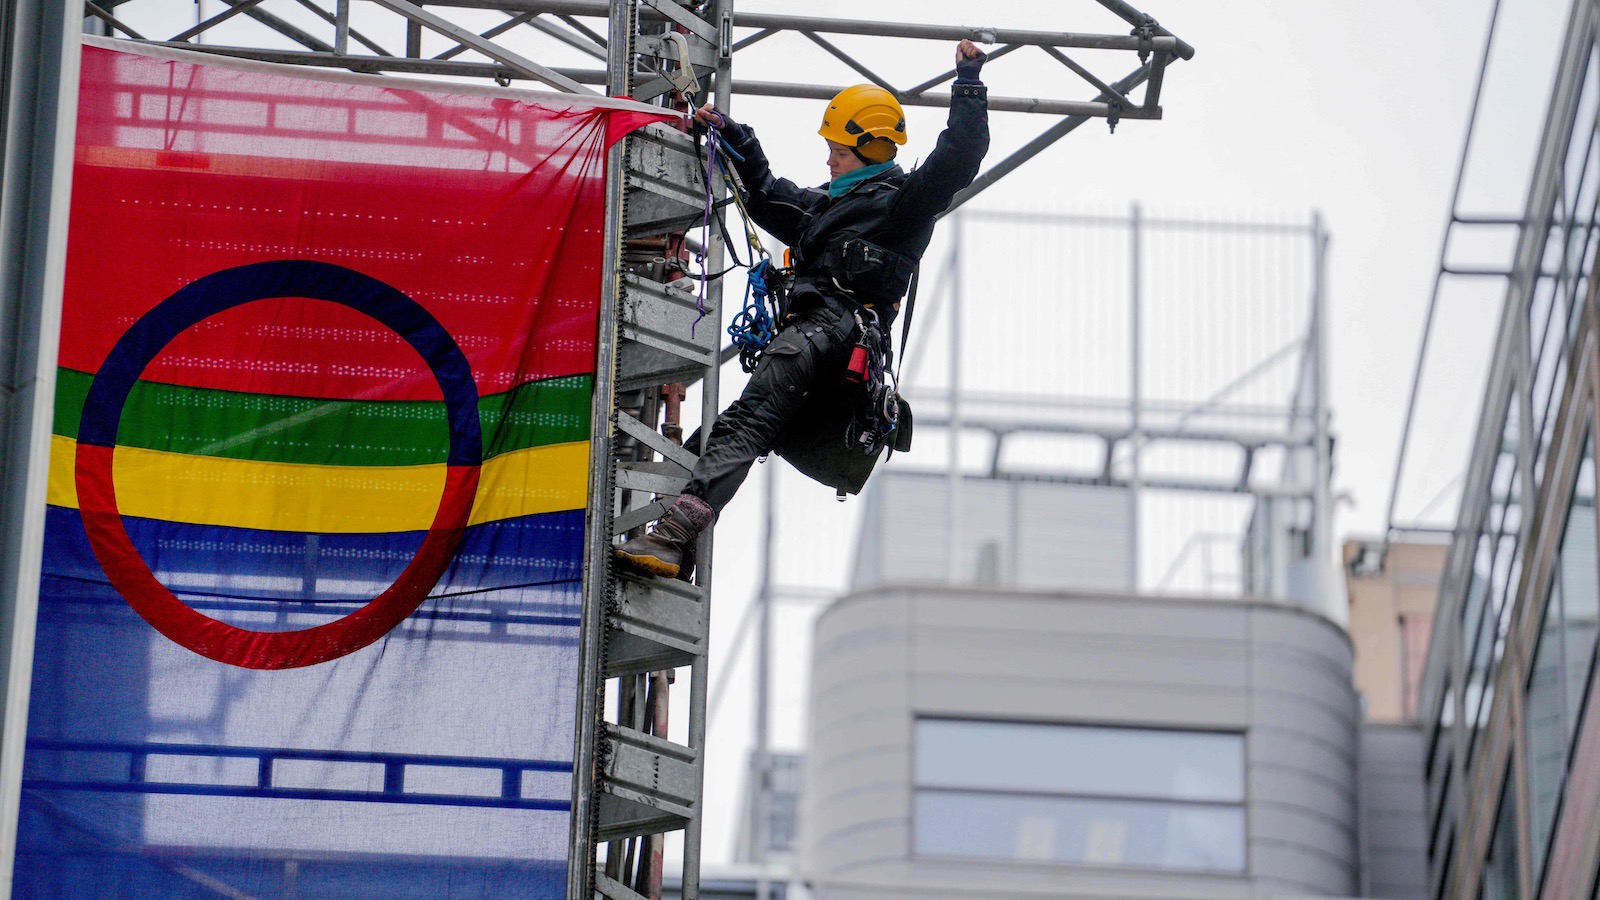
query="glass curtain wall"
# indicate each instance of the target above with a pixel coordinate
(1533, 426)
(1500, 880)
(1560, 670)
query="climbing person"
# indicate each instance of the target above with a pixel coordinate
(856, 242)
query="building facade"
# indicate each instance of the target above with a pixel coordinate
(982, 742)
(1392, 589)
(1513, 748)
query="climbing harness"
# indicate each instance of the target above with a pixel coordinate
(842, 433)
(877, 415)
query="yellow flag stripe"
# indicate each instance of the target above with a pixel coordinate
(241, 493)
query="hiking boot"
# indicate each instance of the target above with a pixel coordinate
(670, 544)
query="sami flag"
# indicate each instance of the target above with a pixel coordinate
(312, 580)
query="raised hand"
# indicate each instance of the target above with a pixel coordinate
(969, 60)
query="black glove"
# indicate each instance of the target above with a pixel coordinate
(732, 132)
(967, 69)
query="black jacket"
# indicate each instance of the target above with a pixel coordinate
(865, 244)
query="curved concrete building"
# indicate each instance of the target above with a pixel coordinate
(1005, 743)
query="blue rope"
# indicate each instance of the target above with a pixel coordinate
(753, 328)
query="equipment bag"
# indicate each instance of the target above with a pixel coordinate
(840, 434)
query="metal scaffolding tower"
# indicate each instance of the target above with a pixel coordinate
(633, 784)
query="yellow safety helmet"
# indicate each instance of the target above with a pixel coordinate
(858, 115)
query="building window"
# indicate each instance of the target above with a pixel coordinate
(1444, 814)
(1132, 797)
(1440, 734)
(1546, 754)
(1415, 631)
(1440, 868)
(1480, 638)
(1561, 661)
(1497, 566)
(1500, 873)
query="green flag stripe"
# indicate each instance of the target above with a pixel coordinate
(277, 428)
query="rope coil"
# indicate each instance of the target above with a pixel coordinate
(754, 326)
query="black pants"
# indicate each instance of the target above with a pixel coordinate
(804, 359)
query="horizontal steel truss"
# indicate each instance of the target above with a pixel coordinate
(1120, 444)
(709, 42)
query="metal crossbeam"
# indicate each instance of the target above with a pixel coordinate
(487, 47)
(556, 23)
(214, 21)
(99, 12)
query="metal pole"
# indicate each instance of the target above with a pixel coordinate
(39, 48)
(953, 500)
(761, 770)
(1433, 297)
(1322, 453)
(1135, 390)
(1000, 103)
(700, 670)
(341, 27)
(1163, 41)
(1135, 17)
(597, 525)
(1031, 149)
(655, 844)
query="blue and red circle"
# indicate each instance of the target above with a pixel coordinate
(205, 297)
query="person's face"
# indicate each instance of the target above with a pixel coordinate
(842, 159)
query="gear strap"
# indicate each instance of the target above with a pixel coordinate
(905, 323)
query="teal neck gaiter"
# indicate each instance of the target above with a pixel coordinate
(842, 185)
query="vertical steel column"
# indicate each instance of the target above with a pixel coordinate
(1322, 450)
(597, 524)
(761, 770)
(648, 784)
(953, 501)
(38, 122)
(710, 405)
(1135, 388)
(341, 27)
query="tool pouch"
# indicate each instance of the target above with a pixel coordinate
(874, 273)
(902, 431)
(840, 434)
(824, 444)
(818, 442)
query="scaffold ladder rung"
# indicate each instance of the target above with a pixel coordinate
(657, 625)
(615, 890)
